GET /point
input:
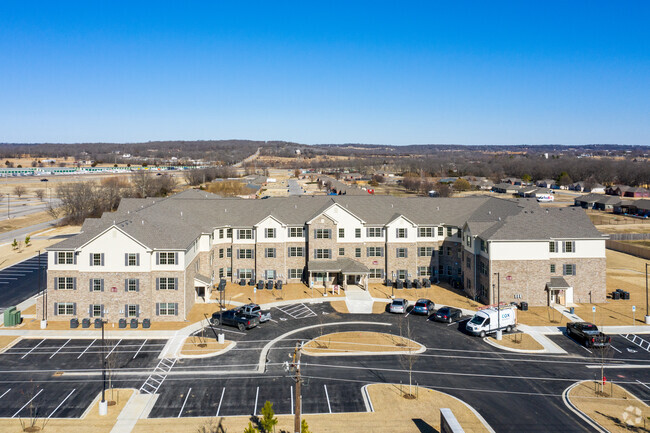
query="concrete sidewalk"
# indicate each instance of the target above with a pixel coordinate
(138, 407)
(358, 300)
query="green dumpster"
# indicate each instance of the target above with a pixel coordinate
(9, 316)
(17, 318)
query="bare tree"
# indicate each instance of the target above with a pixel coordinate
(19, 190)
(409, 358)
(39, 193)
(29, 423)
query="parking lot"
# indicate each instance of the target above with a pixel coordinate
(20, 281)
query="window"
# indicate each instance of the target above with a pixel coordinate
(482, 268)
(220, 272)
(441, 269)
(341, 233)
(449, 251)
(296, 252)
(425, 251)
(245, 234)
(167, 258)
(448, 231)
(401, 274)
(95, 310)
(228, 272)
(424, 271)
(483, 245)
(96, 285)
(270, 274)
(458, 271)
(295, 273)
(229, 252)
(229, 233)
(96, 259)
(269, 233)
(322, 253)
(468, 262)
(569, 269)
(552, 268)
(132, 310)
(341, 251)
(65, 283)
(132, 285)
(401, 252)
(376, 273)
(401, 233)
(245, 254)
(374, 232)
(322, 234)
(65, 258)
(425, 232)
(166, 309)
(220, 233)
(357, 252)
(221, 253)
(375, 252)
(552, 247)
(441, 231)
(245, 273)
(448, 270)
(132, 259)
(65, 309)
(296, 232)
(569, 247)
(357, 233)
(468, 241)
(269, 253)
(166, 283)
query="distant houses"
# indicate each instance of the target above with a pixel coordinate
(639, 208)
(628, 191)
(587, 187)
(597, 201)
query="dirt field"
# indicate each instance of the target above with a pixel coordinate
(6, 341)
(615, 409)
(518, 341)
(10, 256)
(202, 346)
(340, 307)
(245, 294)
(541, 316)
(24, 221)
(393, 413)
(441, 295)
(357, 341)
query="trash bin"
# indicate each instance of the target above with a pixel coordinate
(524, 306)
(9, 316)
(626, 295)
(572, 310)
(616, 295)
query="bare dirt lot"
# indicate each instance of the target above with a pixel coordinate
(518, 341)
(356, 341)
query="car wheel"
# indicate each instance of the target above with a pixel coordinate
(482, 334)
(241, 326)
(449, 320)
(508, 328)
(215, 322)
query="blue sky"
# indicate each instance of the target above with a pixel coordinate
(326, 72)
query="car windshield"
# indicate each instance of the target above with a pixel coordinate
(420, 304)
(477, 320)
(443, 311)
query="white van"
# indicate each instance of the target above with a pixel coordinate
(487, 321)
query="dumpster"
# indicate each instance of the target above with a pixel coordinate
(9, 316)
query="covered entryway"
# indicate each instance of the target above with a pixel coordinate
(559, 292)
(202, 286)
(343, 271)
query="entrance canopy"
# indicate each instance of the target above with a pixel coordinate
(201, 280)
(557, 283)
(343, 265)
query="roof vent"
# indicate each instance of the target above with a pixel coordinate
(391, 205)
(295, 206)
(113, 222)
(437, 207)
(142, 222)
(499, 218)
(489, 212)
(181, 214)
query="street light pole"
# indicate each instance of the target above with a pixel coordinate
(498, 305)
(103, 406)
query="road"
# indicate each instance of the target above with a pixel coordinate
(514, 392)
(23, 207)
(22, 232)
(248, 159)
(295, 188)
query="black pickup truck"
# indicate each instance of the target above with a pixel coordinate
(588, 334)
(235, 318)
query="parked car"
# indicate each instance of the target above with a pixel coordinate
(256, 310)
(447, 314)
(588, 334)
(423, 306)
(398, 305)
(235, 318)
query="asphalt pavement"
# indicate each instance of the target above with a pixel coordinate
(20, 281)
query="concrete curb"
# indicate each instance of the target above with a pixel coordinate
(581, 414)
(512, 349)
(421, 349)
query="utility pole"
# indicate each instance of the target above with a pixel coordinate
(295, 367)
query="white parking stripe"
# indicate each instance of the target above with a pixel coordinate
(136, 353)
(615, 349)
(30, 400)
(109, 353)
(57, 350)
(183, 407)
(257, 393)
(57, 408)
(7, 278)
(328, 399)
(32, 349)
(220, 400)
(5, 393)
(641, 383)
(91, 343)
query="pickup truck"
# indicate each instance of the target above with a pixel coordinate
(256, 310)
(235, 318)
(588, 334)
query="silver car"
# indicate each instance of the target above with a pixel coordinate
(398, 305)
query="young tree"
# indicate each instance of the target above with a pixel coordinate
(408, 359)
(526, 178)
(269, 420)
(251, 429)
(304, 428)
(27, 239)
(19, 190)
(39, 193)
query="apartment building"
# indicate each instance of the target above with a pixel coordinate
(154, 258)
